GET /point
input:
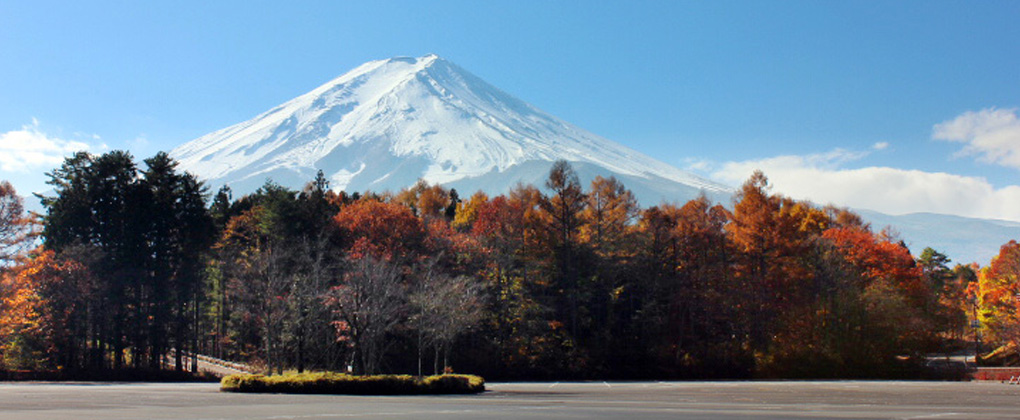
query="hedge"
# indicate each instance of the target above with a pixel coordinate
(339, 383)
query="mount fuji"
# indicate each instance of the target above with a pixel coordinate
(388, 123)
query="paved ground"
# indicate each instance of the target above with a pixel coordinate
(632, 401)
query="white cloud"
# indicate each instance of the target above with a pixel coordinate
(821, 179)
(30, 149)
(26, 154)
(139, 144)
(993, 135)
(882, 145)
(697, 165)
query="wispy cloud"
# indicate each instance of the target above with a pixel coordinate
(993, 135)
(697, 165)
(822, 178)
(140, 145)
(30, 149)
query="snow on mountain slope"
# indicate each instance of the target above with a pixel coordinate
(388, 123)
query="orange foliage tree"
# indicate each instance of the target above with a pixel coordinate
(49, 317)
(20, 318)
(767, 233)
(895, 299)
(998, 294)
(609, 213)
(512, 231)
(384, 230)
(880, 259)
(689, 302)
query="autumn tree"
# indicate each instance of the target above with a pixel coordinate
(564, 207)
(881, 258)
(965, 276)
(22, 344)
(433, 202)
(69, 306)
(467, 211)
(611, 208)
(890, 293)
(683, 294)
(701, 292)
(513, 232)
(14, 225)
(370, 302)
(443, 307)
(425, 200)
(19, 298)
(607, 237)
(769, 242)
(998, 301)
(283, 255)
(384, 230)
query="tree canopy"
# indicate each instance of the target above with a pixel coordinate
(560, 282)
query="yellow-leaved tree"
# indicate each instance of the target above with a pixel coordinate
(999, 296)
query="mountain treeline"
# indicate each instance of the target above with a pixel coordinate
(554, 281)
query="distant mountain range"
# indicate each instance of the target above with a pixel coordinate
(963, 239)
(388, 123)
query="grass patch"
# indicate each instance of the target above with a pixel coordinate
(339, 383)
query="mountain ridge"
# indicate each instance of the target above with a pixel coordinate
(421, 117)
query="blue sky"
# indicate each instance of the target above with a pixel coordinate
(896, 106)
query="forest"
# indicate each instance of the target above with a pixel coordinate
(557, 281)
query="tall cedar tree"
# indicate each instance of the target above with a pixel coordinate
(97, 205)
(146, 232)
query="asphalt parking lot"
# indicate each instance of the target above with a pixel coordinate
(631, 400)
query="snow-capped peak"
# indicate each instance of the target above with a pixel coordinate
(387, 123)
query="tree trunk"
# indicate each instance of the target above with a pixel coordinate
(419, 352)
(194, 335)
(435, 361)
(300, 333)
(222, 319)
(446, 358)
(269, 346)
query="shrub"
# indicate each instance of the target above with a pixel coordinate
(338, 383)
